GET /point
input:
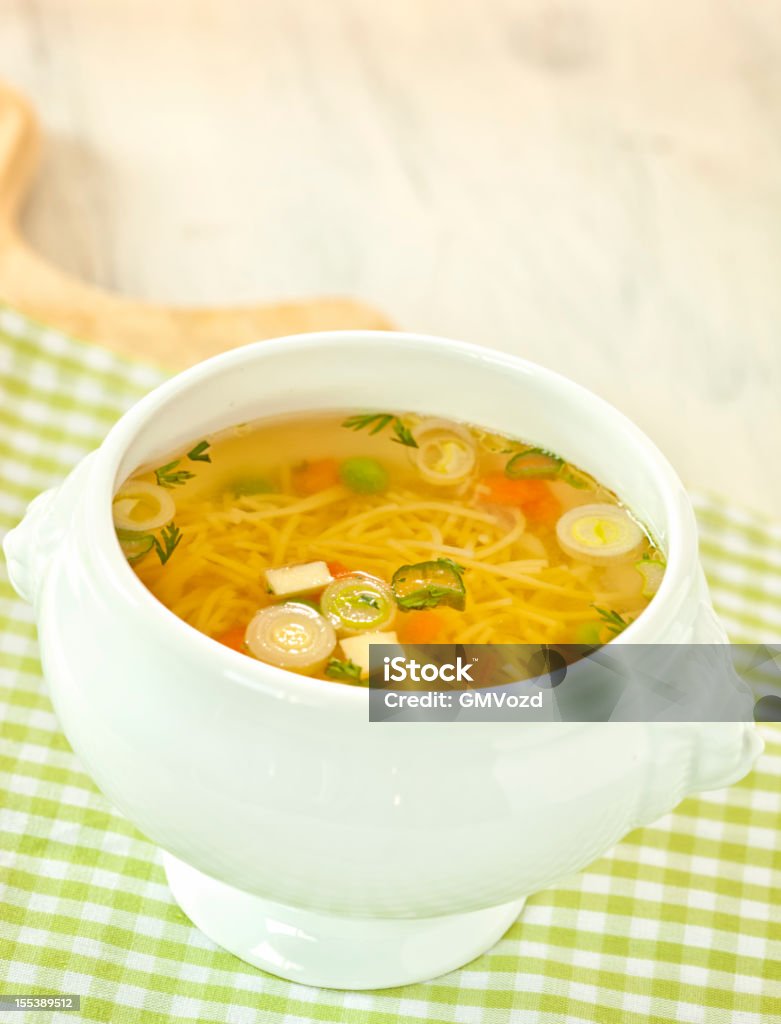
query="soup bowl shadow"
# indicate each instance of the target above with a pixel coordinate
(298, 835)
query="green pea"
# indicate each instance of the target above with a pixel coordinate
(364, 475)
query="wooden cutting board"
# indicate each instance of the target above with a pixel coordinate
(168, 336)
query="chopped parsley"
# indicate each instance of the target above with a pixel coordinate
(346, 670)
(199, 453)
(377, 421)
(169, 476)
(614, 622)
(168, 542)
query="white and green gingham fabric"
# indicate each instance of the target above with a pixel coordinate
(679, 922)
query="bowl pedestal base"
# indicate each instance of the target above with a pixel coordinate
(329, 951)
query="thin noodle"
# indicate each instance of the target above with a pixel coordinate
(520, 588)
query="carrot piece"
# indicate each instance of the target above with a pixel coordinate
(534, 497)
(423, 627)
(545, 508)
(233, 638)
(338, 570)
(498, 489)
(311, 477)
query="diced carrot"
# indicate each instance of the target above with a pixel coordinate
(338, 570)
(534, 497)
(233, 638)
(422, 627)
(498, 489)
(544, 509)
(311, 477)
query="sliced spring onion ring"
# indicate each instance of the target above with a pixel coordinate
(599, 534)
(355, 604)
(533, 464)
(446, 452)
(141, 507)
(652, 572)
(135, 545)
(428, 585)
(292, 636)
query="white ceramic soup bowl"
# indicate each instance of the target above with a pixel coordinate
(297, 834)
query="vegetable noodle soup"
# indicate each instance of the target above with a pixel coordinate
(301, 541)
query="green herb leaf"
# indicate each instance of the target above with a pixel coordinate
(374, 422)
(199, 453)
(615, 623)
(336, 669)
(169, 476)
(403, 434)
(168, 542)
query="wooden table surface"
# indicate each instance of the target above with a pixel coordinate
(594, 184)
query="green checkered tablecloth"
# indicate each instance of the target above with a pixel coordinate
(679, 922)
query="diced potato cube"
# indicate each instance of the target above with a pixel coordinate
(356, 648)
(298, 579)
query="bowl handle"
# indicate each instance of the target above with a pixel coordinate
(725, 753)
(689, 757)
(29, 547)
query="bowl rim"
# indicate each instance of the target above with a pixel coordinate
(682, 543)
